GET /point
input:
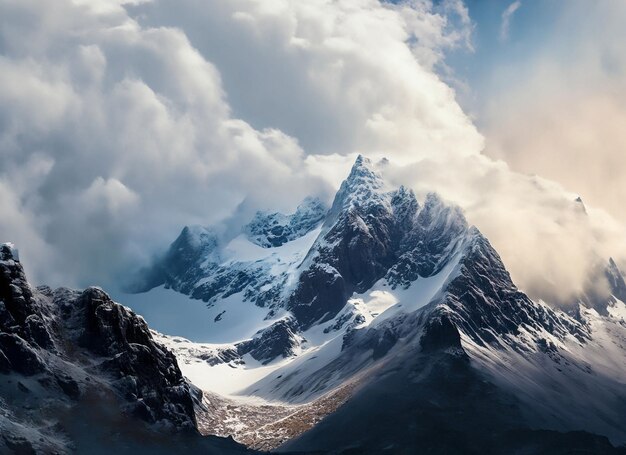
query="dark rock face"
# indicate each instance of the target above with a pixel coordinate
(146, 373)
(360, 242)
(320, 295)
(18, 445)
(363, 246)
(19, 355)
(373, 234)
(366, 228)
(440, 334)
(22, 329)
(179, 267)
(279, 339)
(429, 244)
(16, 296)
(68, 385)
(482, 300)
(252, 280)
(73, 348)
(37, 331)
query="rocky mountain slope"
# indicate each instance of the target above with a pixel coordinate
(396, 321)
(480, 356)
(80, 373)
(388, 318)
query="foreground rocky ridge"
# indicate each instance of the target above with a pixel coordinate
(72, 359)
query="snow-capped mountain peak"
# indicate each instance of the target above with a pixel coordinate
(364, 186)
(309, 263)
(306, 308)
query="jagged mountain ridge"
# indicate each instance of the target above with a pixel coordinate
(371, 231)
(376, 307)
(385, 280)
(477, 326)
(275, 229)
(197, 263)
(80, 373)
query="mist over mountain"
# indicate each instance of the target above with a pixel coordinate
(389, 317)
(383, 293)
(124, 121)
(322, 226)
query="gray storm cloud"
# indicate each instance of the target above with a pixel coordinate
(120, 122)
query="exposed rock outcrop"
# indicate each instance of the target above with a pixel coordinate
(69, 350)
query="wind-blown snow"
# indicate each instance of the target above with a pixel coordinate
(617, 310)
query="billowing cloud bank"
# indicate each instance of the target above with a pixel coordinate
(560, 111)
(122, 121)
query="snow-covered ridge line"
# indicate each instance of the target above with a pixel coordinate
(383, 281)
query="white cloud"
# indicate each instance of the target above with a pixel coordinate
(122, 121)
(339, 76)
(507, 15)
(560, 112)
(176, 112)
(546, 239)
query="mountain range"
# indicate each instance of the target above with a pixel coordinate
(378, 324)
